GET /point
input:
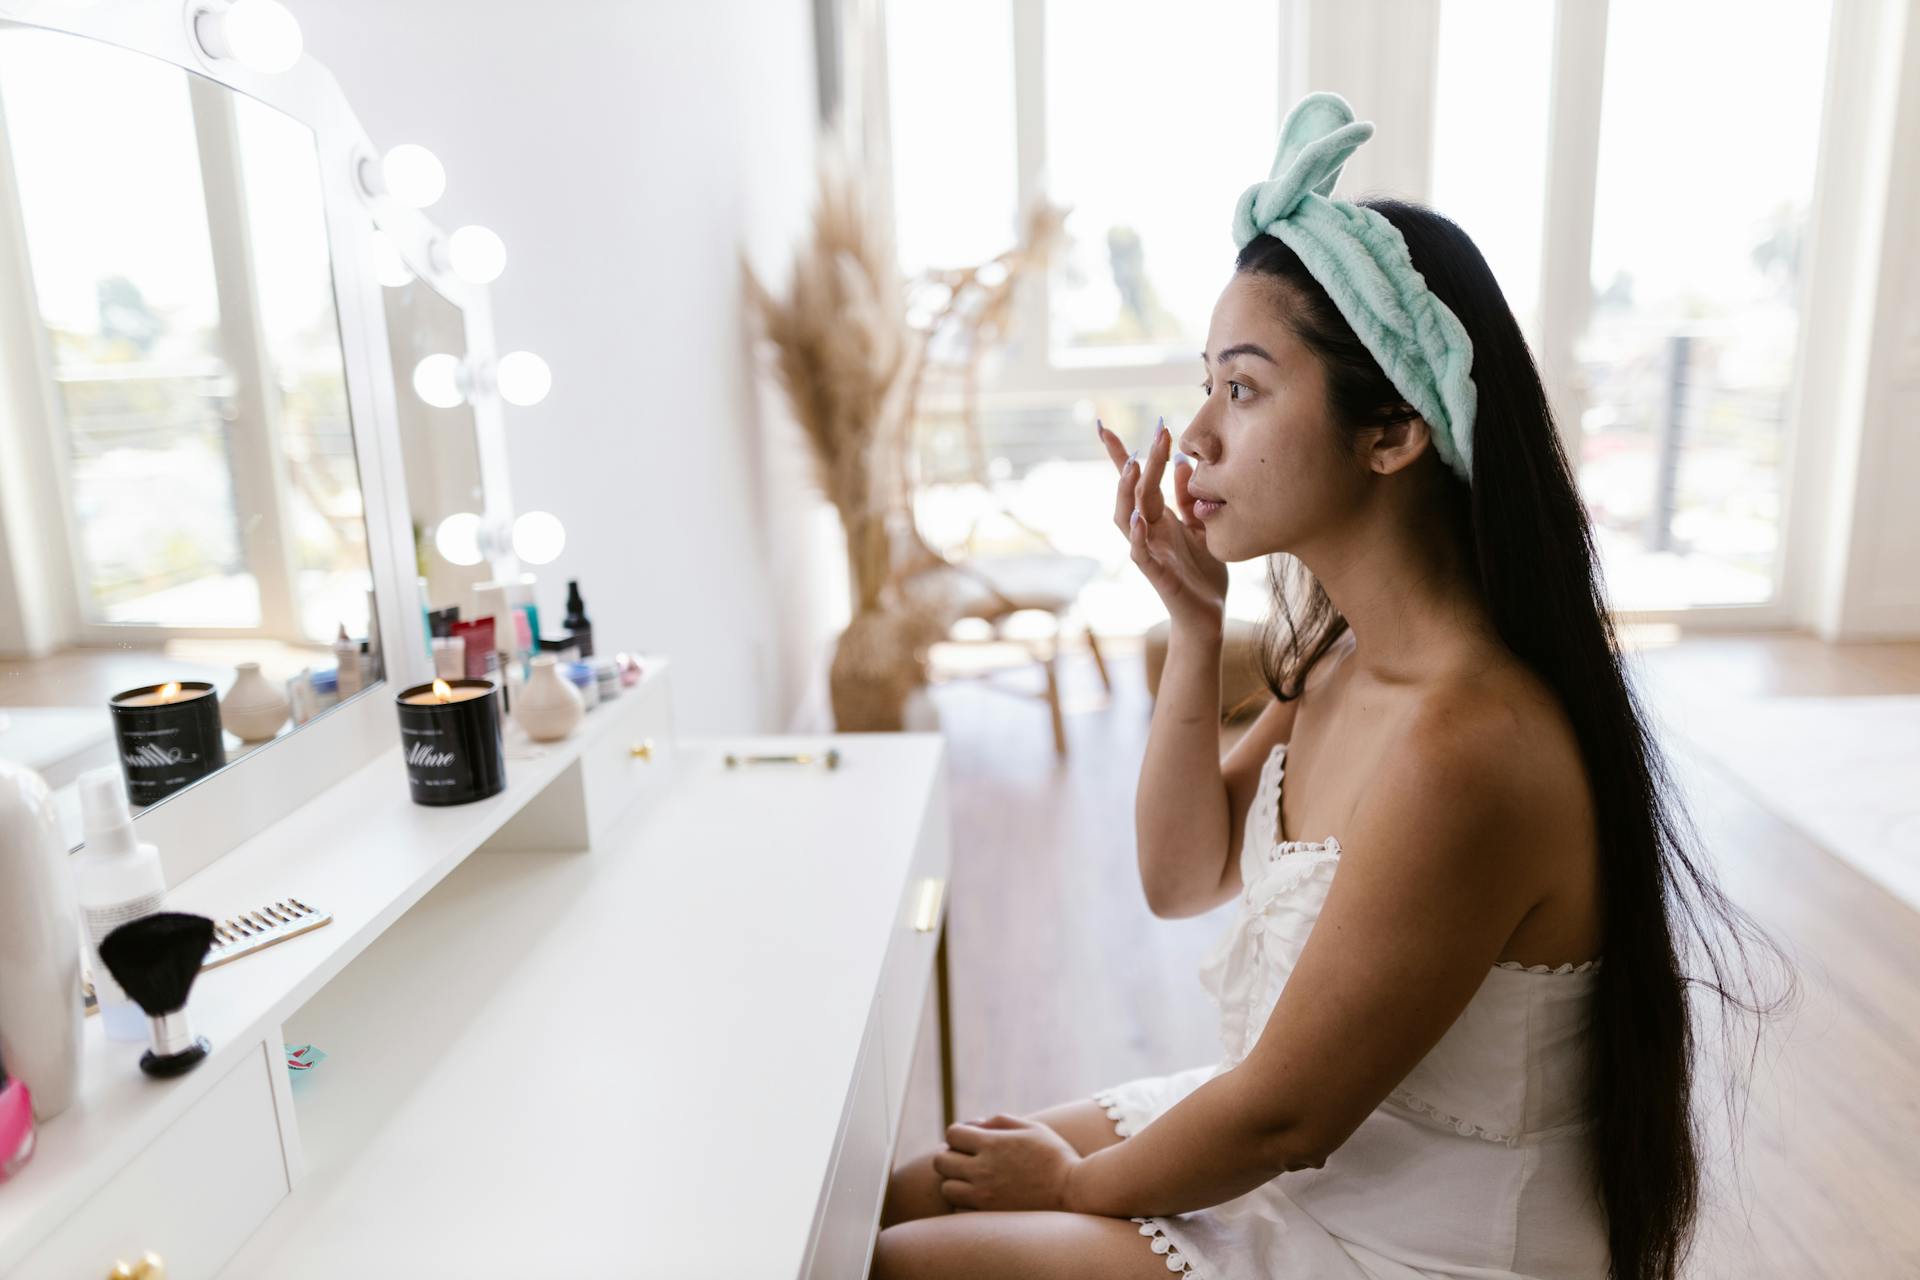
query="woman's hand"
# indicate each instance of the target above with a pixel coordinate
(1171, 552)
(1005, 1163)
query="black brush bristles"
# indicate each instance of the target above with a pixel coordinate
(156, 958)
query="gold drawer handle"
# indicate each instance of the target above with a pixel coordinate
(927, 918)
(150, 1267)
(642, 751)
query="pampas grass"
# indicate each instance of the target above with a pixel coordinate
(842, 352)
(852, 364)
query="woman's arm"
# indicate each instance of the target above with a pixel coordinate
(1190, 811)
(1435, 878)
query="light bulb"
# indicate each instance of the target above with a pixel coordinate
(436, 379)
(538, 537)
(388, 265)
(458, 538)
(524, 378)
(477, 254)
(262, 35)
(415, 176)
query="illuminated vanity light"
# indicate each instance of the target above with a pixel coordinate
(414, 175)
(538, 537)
(441, 381)
(476, 254)
(261, 35)
(458, 539)
(524, 378)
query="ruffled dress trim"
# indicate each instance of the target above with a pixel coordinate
(1176, 1261)
(1115, 1112)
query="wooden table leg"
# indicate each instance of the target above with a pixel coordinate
(946, 1032)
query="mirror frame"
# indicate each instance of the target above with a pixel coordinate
(195, 827)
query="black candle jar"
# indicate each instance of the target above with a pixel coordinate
(452, 746)
(168, 736)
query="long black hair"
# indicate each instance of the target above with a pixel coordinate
(1524, 534)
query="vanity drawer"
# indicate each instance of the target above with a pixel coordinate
(627, 753)
(919, 921)
(192, 1197)
(850, 1216)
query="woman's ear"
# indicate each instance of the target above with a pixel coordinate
(1398, 445)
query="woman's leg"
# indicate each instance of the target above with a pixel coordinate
(914, 1190)
(1016, 1246)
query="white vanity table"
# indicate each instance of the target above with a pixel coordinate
(681, 1050)
(639, 1013)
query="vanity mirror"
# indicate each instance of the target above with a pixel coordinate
(189, 515)
(440, 442)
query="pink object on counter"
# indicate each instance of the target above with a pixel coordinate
(16, 1127)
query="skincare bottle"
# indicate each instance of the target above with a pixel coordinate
(16, 1125)
(346, 661)
(117, 878)
(326, 690)
(40, 992)
(577, 621)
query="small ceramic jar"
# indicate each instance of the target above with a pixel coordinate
(547, 708)
(253, 709)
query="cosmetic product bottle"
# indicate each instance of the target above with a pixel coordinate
(564, 648)
(41, 1007)
(117, 878)
(302, 705)
(326, 689)
(16, 1124)
(521, 596)
(346, 663)
(450, 657)
(582, 677)
(490, 601)
(577, 621)
(607, 676)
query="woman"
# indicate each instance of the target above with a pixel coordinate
(1456, 1034)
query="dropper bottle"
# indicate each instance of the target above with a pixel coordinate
(117, 878)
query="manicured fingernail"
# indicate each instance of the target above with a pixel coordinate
(1163, 426)
(1136, 516)
(1130, 468)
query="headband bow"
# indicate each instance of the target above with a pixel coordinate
(1361, 260)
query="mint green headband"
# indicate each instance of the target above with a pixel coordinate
(1361, 260)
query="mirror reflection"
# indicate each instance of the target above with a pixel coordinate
(439, 445)
(181, 516)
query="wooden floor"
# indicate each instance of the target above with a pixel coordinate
(1063, 982)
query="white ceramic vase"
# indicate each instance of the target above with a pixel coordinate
(253, 709)
(40, 996)
(547, 708)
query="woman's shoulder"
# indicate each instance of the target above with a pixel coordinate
(1498, 722)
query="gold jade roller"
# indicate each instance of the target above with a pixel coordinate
(831, 759)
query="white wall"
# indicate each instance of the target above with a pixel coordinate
(628, 153)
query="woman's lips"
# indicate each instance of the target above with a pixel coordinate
(1205, 505)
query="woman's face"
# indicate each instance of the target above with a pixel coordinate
(1269, 465)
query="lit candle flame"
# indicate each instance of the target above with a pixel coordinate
(443, 691)
(169, 691)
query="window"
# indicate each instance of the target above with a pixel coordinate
(1154, 125)
(1690, 349)
(133, 325)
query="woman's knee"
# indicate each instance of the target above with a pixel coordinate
(913, 1192)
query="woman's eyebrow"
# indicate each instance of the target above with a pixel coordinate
(1241, 349)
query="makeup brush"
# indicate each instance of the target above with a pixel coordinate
(155, 959)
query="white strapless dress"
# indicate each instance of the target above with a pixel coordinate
(1477, 1165)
